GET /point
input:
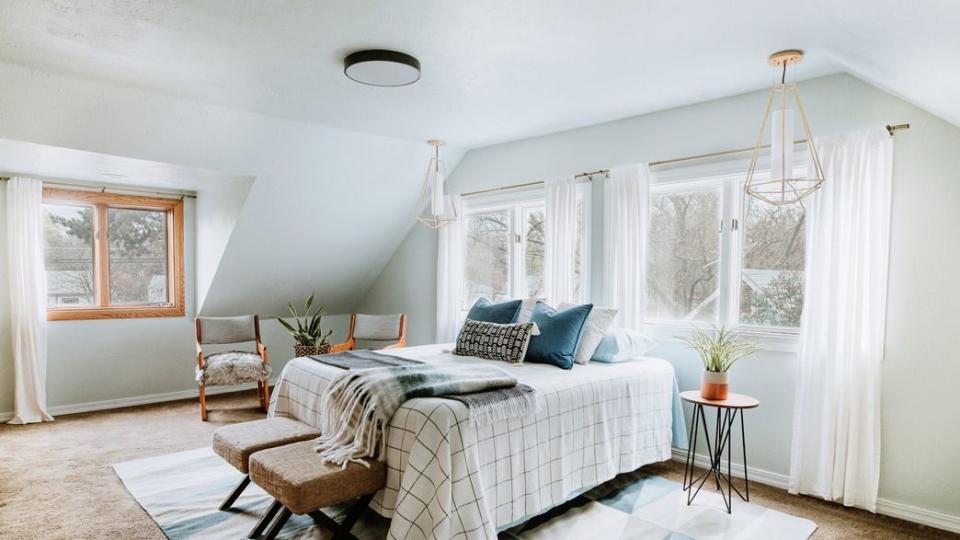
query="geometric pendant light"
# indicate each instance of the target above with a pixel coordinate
(434, 209)
(783, 115)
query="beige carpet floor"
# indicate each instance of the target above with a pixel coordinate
(56, 480)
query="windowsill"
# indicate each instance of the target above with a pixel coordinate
(79, 314)
(776, 340)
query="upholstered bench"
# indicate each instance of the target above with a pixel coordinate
(236, 442)
(301, 483)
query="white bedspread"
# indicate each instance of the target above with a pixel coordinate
(450, 479)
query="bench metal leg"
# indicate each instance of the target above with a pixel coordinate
(232, 498)
(265, 519)
(278, 524)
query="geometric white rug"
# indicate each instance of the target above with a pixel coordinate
(182, 491)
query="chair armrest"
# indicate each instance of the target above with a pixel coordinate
(398, 345)
(262, 351)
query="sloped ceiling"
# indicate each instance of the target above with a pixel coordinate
(493, 70)
(325, 212)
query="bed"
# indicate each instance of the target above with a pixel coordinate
(448, 478)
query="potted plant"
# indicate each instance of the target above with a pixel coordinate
(718, 352)
(308, 336)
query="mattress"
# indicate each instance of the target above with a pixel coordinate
(448, 478)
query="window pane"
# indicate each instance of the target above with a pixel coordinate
(533, 255)
(771, 284)
(684, 266)
(487, 256)
(138, 256)
(578, 276)
(68, 254)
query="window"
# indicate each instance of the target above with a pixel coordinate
(504, 247)
(109, 255)
(716, 256)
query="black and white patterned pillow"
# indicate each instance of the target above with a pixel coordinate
(503, 342)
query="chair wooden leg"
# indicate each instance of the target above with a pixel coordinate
(266, 396)
(265, 519)
(203, 402)
(232, 497)
(278, 524)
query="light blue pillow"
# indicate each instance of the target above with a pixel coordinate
(621, 344)
(503, 313)
(559, 334)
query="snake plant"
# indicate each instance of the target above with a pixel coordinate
(308, 331)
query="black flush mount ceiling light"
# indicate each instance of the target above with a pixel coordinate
(379, 67)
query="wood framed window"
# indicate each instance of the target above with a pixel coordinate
(111, 256)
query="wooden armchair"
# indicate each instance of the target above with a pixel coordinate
(231, 367)
(383, 328)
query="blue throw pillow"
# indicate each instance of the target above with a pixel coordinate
(559, 334)
(503, 313)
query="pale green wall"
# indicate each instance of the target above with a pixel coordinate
(919, 446)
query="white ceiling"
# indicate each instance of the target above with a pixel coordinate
(493, 70)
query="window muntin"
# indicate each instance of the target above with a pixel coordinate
(122, 254)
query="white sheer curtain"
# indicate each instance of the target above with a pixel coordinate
(450, 274)
(835, 452)
(28, 299)
(626, 217)
(560, 240)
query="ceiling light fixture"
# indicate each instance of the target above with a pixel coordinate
(784, 186)
(437, 210)
(380, 67)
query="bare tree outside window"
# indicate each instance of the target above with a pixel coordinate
(487, 256)
(771, 286)
(68, 254)
(533, 255)
(683, 266)
(138, 256)
(492, 253)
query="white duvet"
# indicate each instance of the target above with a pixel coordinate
(448, 478)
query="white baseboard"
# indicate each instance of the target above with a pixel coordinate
(931, 518)
(90, 406)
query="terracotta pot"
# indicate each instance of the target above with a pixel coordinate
(310, 350)
(714, 385)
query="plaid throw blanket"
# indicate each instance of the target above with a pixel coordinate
(358, 404)
(362, 359)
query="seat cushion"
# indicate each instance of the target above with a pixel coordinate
(295, 476)
(236, 442)
(233, 367)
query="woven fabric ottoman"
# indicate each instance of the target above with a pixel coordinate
(301, 483)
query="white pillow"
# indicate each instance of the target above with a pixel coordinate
(594, 328)
(526, 309)
(621, 344)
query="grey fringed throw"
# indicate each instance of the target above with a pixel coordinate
(358, 404)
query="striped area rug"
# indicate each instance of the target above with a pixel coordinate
(181, 493)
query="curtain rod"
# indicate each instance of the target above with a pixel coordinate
(588, 176)
(84, 186)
